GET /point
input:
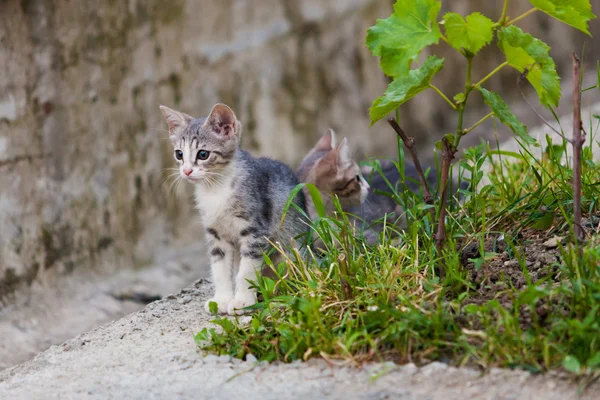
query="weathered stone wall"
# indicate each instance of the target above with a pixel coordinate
(82, 144)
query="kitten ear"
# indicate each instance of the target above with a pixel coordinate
(222, 120)
(175, 119)
(327, 141)
(344, 156)
(366, 170)
(331, 133)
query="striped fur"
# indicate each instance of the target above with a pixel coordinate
(241, 200)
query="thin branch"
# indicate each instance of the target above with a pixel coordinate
(448, 152)
(578, 140)
(409, 142)
(520, 17)
(481, 121)
(443, 96)
(590, 88)
(488, 76)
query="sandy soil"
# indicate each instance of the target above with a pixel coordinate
(151, 354)
(46, 315)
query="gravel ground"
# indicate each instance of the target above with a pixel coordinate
(151, 354)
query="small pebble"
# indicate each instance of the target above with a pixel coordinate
(409, 368)
(225, 358)
(432, 368)
(552, 243)
(211, 359)
(251, 359)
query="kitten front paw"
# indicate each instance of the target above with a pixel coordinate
(236, 305)
(222, 304)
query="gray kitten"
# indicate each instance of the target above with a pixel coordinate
(366, 208)
(331, 168)
(241, 200)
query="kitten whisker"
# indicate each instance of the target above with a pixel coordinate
(209, 181)
(211, 173)
(214, 181)
(169, 176)
(171, 186)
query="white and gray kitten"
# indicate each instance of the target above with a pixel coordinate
(241, 200)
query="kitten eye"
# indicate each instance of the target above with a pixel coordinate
(357, 178)
(203, 155)
(179, 155)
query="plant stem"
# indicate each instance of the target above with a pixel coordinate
(461, 107)
(443, 96)
(502, 19)
(488, 76)
(464, 132)
(409, 143)
(346, 288)
(445, 40)
(448, 152)
(520, 17)
(578, 140)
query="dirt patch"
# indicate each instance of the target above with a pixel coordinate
(538, 259)
(534, 258)
(152, 354)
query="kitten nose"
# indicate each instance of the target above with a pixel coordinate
(188, 171)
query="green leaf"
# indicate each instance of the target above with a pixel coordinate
(543, 221)
(393, 62)
(523, 51)
(503, 113)
(571, 364)
(314, 194)
(224, 323)
(471, 34)
(255, 324)
(459, 98)
(213, 307)
(449, 137)
(404, 88)
(594, 360)
(203, 336)
(576, 13)
(471, 309)
(400, 38)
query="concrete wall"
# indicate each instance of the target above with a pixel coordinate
(83, 147)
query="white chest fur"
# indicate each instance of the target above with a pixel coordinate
(213, 202)
(215, 205)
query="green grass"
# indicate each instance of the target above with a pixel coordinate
(357, 303)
